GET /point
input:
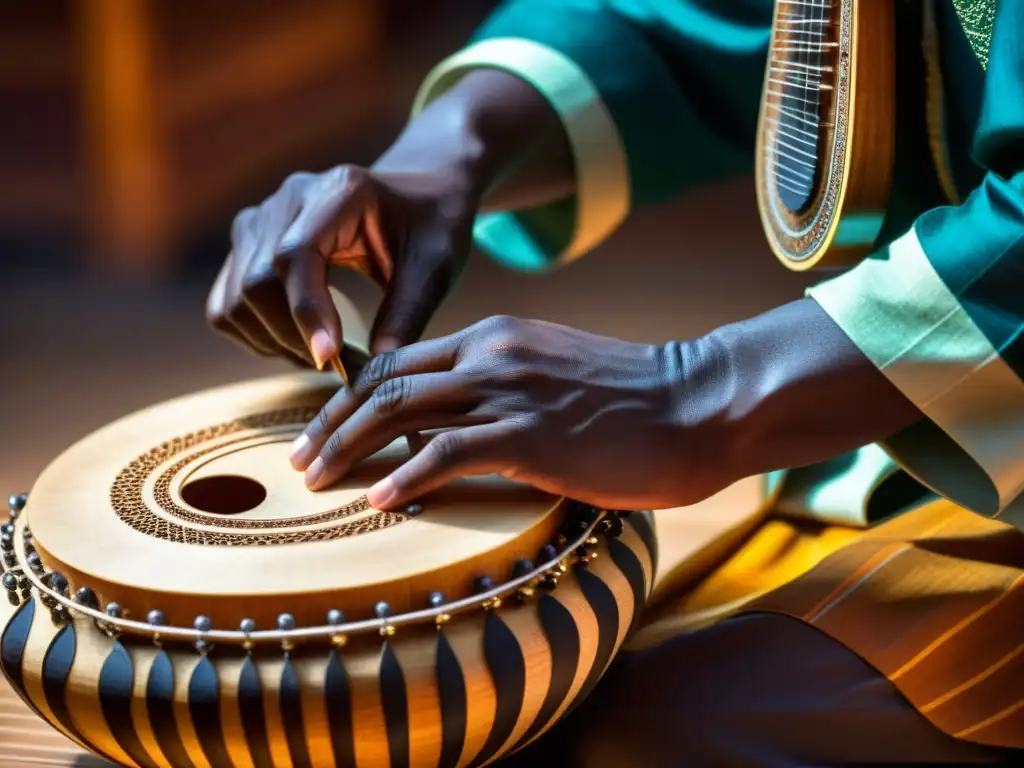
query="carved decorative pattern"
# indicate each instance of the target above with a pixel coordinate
(129, 503)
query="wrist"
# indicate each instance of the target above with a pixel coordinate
(492, 130)
(799, 391)
(705, 408)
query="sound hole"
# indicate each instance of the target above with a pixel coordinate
(224, 494)
(800, 83)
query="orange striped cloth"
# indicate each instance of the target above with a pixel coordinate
(934, 600)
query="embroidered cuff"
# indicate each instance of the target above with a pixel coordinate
(556, 234)
(897, 309)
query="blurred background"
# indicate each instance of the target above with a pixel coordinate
(132, 131)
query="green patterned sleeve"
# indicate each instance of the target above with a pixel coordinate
(941, 310)
(656, 96)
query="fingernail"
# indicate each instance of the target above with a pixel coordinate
(382, 493)
(300, 448)
(385, 345)
(322, 347)
(315, 471)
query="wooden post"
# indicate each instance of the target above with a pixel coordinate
(127, 201)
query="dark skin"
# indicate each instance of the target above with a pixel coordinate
(609, 422)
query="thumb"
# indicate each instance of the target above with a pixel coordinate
(410, 300)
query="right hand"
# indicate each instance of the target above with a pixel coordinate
(408, 231)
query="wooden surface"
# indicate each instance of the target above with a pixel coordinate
(27, 740)
(207, 561)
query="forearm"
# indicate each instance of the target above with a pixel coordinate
(492, 135)
(794, 390)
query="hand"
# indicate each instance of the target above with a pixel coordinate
(603, 421)
(409, 231)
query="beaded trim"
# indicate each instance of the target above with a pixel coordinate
(25, 573)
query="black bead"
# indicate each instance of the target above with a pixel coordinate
(7, 529)
(335, 618)
(522, 567)
(202, 624)
(34, 562)
(613, 527)
(10, 582)
(382, 610)
(10, 560)
(483, 584)
(286, 622)
(113, 610)
(436, 599)
(248, 626)
(156, 617)
(16, 502)
(414, 509)
(548, 553)
(58, 583)
(6, 542)
(86, 597)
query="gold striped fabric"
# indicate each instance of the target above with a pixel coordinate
(933, 600)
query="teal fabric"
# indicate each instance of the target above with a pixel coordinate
(682, 79)
(978, 247)
(964, 86)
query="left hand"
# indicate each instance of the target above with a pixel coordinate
(606, 422)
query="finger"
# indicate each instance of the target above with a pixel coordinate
(400, 406)
(410, 301)
(304, 254)
(245, 236)
(307, 299)
(262, 287)
(215, 311)
(433, 356)
(476, 450)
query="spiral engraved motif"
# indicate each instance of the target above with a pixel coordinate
(129, 503)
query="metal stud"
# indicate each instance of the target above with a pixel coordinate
(202, 647)
(6, 542)
(382, 610)
(436, 599)
(522, 567)
(248, 626)
(86, 597)
(286, 622)
(156, 617)
(202, 624)
(7, 529)
(16, 502)
(34, 562)
(414, 509)
(58, 583)
(10, 582)
(113, 610)
(335, 618)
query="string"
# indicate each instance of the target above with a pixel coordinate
(796, 78)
